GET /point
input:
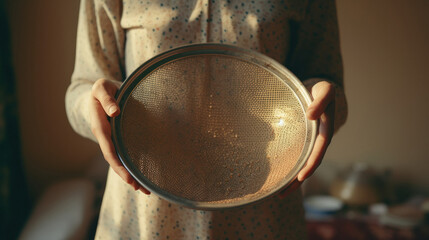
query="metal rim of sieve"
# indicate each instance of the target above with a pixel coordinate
(247, 55)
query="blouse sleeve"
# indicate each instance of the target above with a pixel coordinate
(99, 54)
(316, 54)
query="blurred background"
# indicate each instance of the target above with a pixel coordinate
(385, 54)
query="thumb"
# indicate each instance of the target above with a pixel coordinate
(323, 94)
(104, 91)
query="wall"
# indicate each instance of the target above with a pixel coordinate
(43, 40)
(386, 56)
(385, 49)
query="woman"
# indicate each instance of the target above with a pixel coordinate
(115, 37)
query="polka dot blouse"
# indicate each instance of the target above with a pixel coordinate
(115, 37)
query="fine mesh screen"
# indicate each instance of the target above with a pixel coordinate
(213, 129)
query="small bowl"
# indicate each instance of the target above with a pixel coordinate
(322, 205)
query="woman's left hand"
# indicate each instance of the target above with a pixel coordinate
(322, 108)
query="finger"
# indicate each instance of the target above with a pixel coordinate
(137, 186)
(321, 144)
(104, 91)
(144, 190)
(323, 94)
(100, 127)
(315, 158)
(291, 188)
(111, 157)
(101, 130)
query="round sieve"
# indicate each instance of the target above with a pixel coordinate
(213, 126)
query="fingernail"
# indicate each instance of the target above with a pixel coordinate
(144, 191)
(112, 110)
(310, 114)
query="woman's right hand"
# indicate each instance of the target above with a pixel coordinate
(103, 104)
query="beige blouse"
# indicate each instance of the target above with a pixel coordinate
(115, 37)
